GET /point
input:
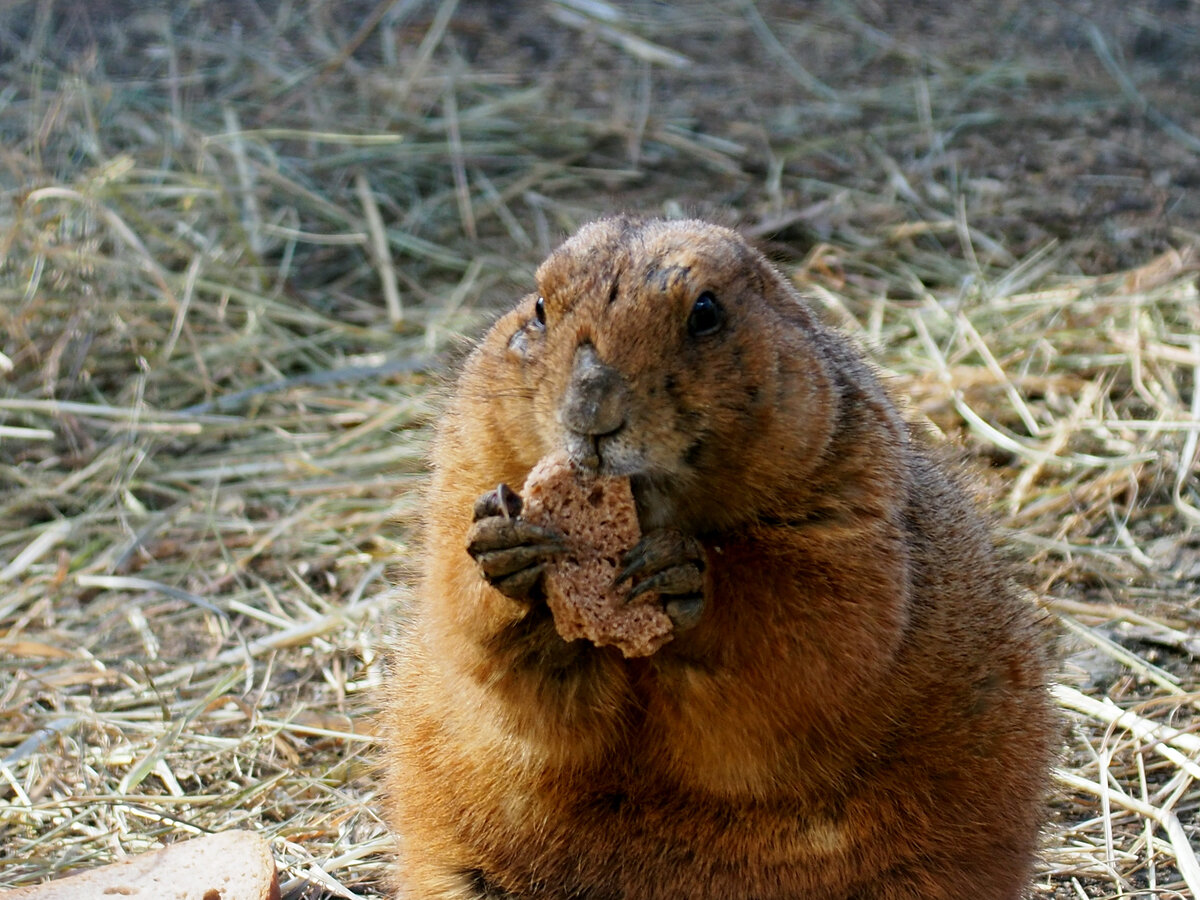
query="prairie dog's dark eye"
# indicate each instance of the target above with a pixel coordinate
(707, 316)
(539, 312)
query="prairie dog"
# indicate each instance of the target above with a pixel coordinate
(852, 705)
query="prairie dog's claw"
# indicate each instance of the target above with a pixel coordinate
(671, 564)
(677, 581)
(685, 612)
(498, 533)
(661, 549)
(503, 501)
(511, 553)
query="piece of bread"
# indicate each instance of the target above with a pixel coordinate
(598, 519)
(231, 865)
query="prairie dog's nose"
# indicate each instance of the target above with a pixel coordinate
(597, 397)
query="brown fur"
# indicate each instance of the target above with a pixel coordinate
(860, 712)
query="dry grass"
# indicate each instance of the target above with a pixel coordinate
(238, 242)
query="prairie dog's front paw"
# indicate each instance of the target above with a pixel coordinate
(672, 565)
(511, 553)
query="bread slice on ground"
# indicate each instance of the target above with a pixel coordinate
(231, 865)
(598, 519)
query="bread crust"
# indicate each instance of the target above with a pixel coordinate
(598, 519)
(229, 865)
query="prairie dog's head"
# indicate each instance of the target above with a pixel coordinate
(670, 352)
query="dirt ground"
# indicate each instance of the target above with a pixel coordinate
(1073, 121)
(214, 412)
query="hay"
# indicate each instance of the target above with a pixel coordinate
(238, 244)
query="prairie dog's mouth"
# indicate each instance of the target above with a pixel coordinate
(609, 455)
(612, 456)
